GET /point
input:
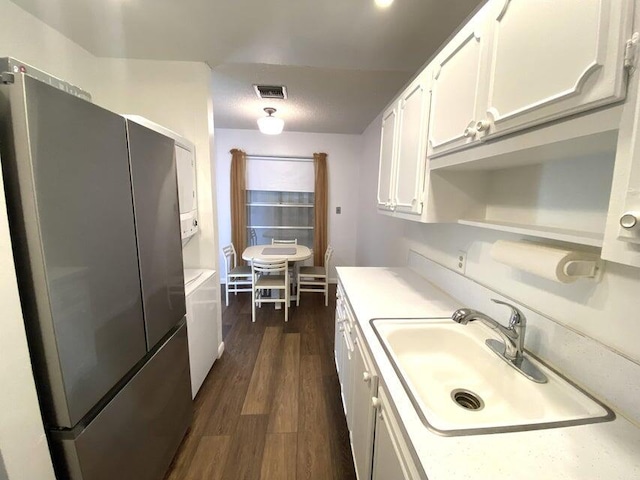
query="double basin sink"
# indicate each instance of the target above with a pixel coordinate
(459, 386)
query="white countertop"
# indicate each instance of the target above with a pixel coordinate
(194, 277)
(598, 451)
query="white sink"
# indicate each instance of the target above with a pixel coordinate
(435, 359)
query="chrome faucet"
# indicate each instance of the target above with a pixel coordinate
(512, 347)
(512, 336)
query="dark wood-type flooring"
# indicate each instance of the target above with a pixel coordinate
(270, 407)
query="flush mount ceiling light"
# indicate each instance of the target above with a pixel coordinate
(270, 125)
(383, 3)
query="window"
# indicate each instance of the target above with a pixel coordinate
(280, 216)
(280, 200)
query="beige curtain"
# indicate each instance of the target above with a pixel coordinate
(321, 206)
(238, 201)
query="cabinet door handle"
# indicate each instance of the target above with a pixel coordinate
(376, 403)
(470, 132)
(630, 220)
(366, 377)
(483, 125)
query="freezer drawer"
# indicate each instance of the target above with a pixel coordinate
(137, 434)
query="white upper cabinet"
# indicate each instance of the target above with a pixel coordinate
(622, 233)
(521, 63)
(549, 59)
(387, 156)
(403, 150)
(456, 104)
(412, 146)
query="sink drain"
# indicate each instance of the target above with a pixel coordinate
(467, 399)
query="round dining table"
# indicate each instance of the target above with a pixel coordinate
(282, 251)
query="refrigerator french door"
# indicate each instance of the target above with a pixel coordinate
(157, 214)
(104, 313)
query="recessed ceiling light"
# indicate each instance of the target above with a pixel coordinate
(383, 3)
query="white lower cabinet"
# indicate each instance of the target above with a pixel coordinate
(366, 405)
(365, 384)
(391, 459)
(343, 352)
(358, 384)
(202, 299)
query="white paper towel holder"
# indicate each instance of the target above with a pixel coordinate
(591, 269)
(555, 263)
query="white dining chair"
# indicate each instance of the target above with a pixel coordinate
(269, 275)
(238, 277)
(253, 237)
(284, 242)
(315, 279)
(292, 273)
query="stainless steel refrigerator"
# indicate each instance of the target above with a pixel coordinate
(94, 219)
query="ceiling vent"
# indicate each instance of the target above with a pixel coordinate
(270, 92)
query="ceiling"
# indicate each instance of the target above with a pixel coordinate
(341, 60)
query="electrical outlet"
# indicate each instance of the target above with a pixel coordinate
(461, 261)
(338, 210)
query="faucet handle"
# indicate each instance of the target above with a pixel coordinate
(517, 317)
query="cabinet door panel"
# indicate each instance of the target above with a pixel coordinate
(387, 150)
(386, 463)
(411, 159)
(341, 349)
(568, 59)
(391, 458)
(364, 384)
(622, 243)
(349, 366)
(338, 343)
(202, 308)
(455, 91)
(386, 458)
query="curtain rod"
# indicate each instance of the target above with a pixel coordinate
(282, 158)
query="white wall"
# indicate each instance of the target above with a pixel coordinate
(174, 94)
(28, 39)
(379, 242)
(343, 156)
(23, 444)
(605, 311)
